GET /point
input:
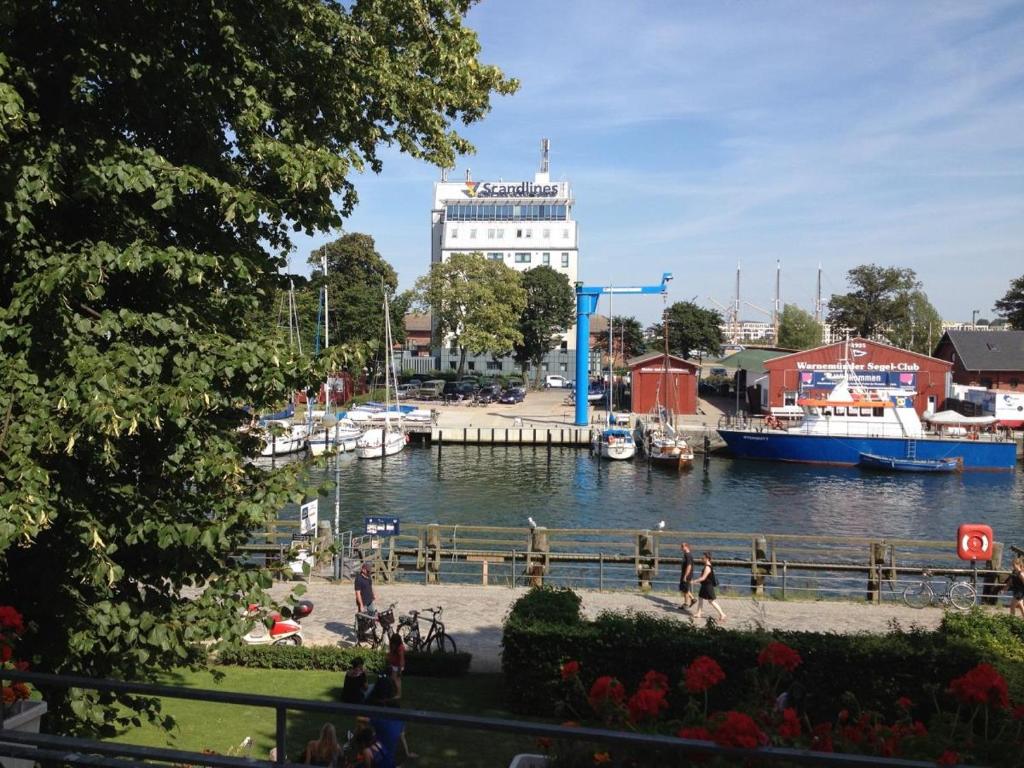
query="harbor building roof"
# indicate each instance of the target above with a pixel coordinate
(984, 350)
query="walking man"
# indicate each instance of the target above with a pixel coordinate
(364, 600)
(685, 575)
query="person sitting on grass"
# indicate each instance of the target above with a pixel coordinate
(353, 690)
(364, 750)
(325, 750)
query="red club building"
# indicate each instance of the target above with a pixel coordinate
(654, 383)
(816, 371)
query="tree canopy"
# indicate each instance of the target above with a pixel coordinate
(154, 160)
(475, 303)
(798, 329)
(691, 328)
(357, 277)
(629, 338)
(879, 300)
(549, 311)
(1011, 306)
(921, 327)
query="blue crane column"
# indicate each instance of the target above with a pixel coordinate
(586, 303)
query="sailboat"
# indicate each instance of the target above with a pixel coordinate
(658, 437)
(390, 438)
(613, 442)
(341, 436)
(281, 436)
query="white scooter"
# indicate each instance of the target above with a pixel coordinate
(271, 628)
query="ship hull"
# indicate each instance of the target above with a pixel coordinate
(845, 451)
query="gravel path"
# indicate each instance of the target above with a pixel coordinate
(473, 614)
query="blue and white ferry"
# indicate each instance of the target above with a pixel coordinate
(854, 420)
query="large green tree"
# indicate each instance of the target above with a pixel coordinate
(879, 299)
(154, 159)
(475, 304)
(629, 338)
(550, 310)
(357, 278)
(691, 328)
(798, 329)
(1011, 306)
(921, 326)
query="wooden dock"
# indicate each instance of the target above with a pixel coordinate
(578, 437)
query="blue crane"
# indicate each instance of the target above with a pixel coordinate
(586, 303)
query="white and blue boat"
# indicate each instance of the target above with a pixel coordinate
(853, 420)
(614, 443)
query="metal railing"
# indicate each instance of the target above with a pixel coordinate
(76, 751)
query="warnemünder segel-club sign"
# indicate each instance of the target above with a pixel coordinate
(514, 189)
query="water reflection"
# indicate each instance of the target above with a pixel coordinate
(472, 485)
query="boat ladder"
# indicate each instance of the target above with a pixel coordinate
(911, 449)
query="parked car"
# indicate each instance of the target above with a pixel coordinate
(431, 390)
(553, 380)
(513, 395)
(488, 394)
(515, 381)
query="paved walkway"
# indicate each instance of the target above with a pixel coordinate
(473, 615)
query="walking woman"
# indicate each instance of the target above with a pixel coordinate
(708, 581)
(1016, 581)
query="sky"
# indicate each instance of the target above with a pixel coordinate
(699, 135)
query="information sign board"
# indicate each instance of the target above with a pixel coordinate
(382, 526)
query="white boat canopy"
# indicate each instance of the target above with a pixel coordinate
(952, 418)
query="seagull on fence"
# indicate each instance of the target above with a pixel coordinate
(661, 526)
(531, 522)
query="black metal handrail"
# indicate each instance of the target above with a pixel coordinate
(77, 751)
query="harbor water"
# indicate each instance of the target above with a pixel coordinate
(483, 485)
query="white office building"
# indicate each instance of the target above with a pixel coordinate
(523, 224)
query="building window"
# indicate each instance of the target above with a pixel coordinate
(493, 365)
(471, 365)
(495, 256)
(472, 234)
(544, 367)
(563, 367)
(522, 258)
(501, 233)
(490, 234)
(565, 234)
(455, 232)
(519, 233)
(565, 259)
(565, 345)
(547, 233)
(452, 365)
(528, 233)
(545, 258)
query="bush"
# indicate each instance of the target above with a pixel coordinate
(1000, 639)
(334, 659)
(878, 669)
(547, 604)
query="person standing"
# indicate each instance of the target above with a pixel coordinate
(364, 589)
(1017, 587)
(708, 581)
(685, 576)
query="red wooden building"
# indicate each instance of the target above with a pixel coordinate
(654, 383)
(816, 370)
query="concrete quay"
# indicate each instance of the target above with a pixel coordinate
(473, 615)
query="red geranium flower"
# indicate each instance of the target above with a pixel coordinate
(646, 704)
(981, 685)
(702, 674)
(606, 690)
(5, 652)
(570, 670)
(904, 703)
(655, 681)
(1018, 712)
(736, 729)
(949, 757)
(790, 726)
(844, 715)
(11, 619)
(821, 741)
(779, 654)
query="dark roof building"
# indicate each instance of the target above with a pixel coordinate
(990, 359)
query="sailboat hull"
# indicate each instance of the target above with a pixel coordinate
(369, 445)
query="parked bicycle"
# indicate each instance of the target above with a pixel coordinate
(435, 639)
(375, 629)
(960, 594)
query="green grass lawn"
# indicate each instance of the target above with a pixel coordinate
(202, 725)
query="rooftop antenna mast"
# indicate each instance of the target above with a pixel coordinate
(545, 151)
(817, 300)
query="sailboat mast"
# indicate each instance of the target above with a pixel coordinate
(611, 357)
(327, 337)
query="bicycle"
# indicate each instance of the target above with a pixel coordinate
(960, 594)
(436, 639)
(375, 629)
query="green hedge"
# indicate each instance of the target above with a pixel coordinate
(548, 604)
(336, 659)
(876, 668)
